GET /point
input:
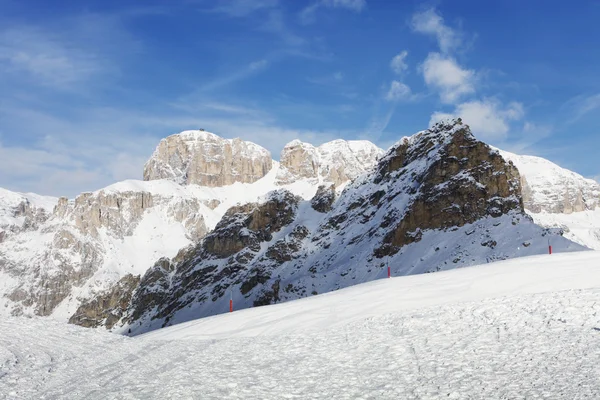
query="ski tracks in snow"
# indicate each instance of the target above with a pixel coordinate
(535, 346)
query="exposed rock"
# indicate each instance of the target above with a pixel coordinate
(300, 160)
(436, 201)
(203, 158)
(324, 198)
(246, 226)
(107, 308)
(552, 189)
(466, 181)
(336, 162)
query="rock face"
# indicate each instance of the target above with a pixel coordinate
(437, 200)
(23, 212)
(326, 217)
(88, 244)
(552, 189)
(336, 162)
(203, 158)
(107, 308)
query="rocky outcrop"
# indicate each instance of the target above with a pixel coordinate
(107, 308)
(95, 232)
(464, 182)
(552, 189)
(323, 199)
(203, 158)
(22, 212)
(438, 200)
(336, 162)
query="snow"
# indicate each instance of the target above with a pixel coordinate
(581, 227)
(156, 235)
(10, 201)
(550, 183)
(525, 328)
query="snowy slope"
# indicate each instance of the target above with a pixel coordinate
(553, 189)
(14, 207)
(436, 201)
(523, 328)
(558, 198)
(581, 227)
(85, 254)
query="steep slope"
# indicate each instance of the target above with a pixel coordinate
(336, 162)
(437, 200)
(56, 254)
(20, 211)
(558, 198)
(552, 189)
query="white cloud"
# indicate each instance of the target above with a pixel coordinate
(308, 14)
(257, 65)
(47, 59)
(243, 8)
(445, 75)
(488, 119)
(430, 22)
(398, 63)
(398, 91)
(354, 5)
(580, 106)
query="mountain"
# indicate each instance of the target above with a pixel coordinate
(217, 216)
(205, 159)
(435, 201)
(57, 253)
(558, 198)
(338, 162)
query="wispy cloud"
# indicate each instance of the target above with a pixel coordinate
(308, 14)
(398, 91)
(580, 106)
(398, 63)
(242, 8)
(488, 118)
(430, 22)
(443, 74)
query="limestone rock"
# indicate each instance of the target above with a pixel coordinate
(107, 308)
(437, 200)
(336, 162)
(203, 158)
(552, 189)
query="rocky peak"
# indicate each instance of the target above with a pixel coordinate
(336, 162)
(552, 189)
(452, 180)
(437, 200)
(203, 158)
(23, 212)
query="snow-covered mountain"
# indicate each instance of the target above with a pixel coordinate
(56, 253)
(203, 158)
(558, 198)
(23, 211)
(338, 162)
(435, 201)
(90, 259)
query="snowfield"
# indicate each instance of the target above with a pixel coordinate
(519, 329)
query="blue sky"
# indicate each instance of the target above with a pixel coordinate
(88, 88)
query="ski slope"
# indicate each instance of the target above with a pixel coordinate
(520, 329)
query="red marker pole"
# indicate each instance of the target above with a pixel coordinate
(230, 301)
(389, 268)
(549, 247)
